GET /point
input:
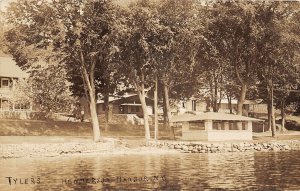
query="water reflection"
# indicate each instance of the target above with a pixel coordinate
(282, 171)
(232, 171)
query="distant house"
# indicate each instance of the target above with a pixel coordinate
(127, 104)
(9, 74)
(124, 105)
(202, 105)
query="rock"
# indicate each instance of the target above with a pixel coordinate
(234, 146)
(202, 151)
(265, 145)
(185, 148)
(213, 150)
(275, 149)
(194, 151)
(257, 148)
(286, 147)
(190, 148)
(217, 145)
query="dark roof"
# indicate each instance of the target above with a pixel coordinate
(9, 68)
(113, 99)
(211, 116)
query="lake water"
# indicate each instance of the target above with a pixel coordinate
(229, 171)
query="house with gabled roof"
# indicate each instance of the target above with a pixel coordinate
(126, 104)
(203, 105)
(121, 108)
(9, 74)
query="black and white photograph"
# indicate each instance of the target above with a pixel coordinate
(149, 95)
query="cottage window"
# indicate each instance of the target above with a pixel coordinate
(22, 106)
(217, 125)
(196, 126)
(4, 83)
(4, 104)
(193, 105)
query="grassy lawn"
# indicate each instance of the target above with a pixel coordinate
(66, 131)
(267, 136)
(65, 128)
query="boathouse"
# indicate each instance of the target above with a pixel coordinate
(212, 126)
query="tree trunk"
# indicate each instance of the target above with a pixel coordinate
(155, 110)
(211, 108)
(241, 100)
(164, 111)
(220, 101)
(94, 117)
(273, 122)
(230, 104)
(272, 109)
(269, 114)
(282, 116)
(90, 88)
(142, 97)
(140, 87)
(106, 110)
(215, 104)
(168, 110)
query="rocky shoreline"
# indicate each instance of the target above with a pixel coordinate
(73, 148)
(195, 147)
(119, 147)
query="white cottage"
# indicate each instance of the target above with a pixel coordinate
(211, 126)
(9, 74)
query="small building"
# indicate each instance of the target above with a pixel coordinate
(9, 74)
(127, 104)
(212, 126)
(124, 105)
(203, 105)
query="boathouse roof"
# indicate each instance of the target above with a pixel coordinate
(211, 116)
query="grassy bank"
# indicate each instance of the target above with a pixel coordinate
(67, 128)
(83, 129)
(38, 128)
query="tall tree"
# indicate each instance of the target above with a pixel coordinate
(231, 32)
(177, 57)
(278, 47)
(135, 58)
(79, 33)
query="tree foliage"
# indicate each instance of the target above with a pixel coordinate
(46, 88)
(80, 34)
(233, 48)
